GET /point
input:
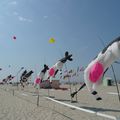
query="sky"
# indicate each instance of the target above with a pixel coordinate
(76, 25)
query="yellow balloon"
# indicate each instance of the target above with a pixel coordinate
(52, 40)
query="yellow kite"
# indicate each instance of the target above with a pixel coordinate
(52, 40)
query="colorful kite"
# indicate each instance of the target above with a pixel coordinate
(95, 71)
(40, 76)
(14, 37)
(52, 40)
(25, 77)
(58, 66)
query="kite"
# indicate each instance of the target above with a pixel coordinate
(94, 72)
(14, 37)
(25, 76)
(9, 66)
(41, 75)
(52, 40)
(8, 78)
(58, 66)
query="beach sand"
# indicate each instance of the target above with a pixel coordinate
(23, 105)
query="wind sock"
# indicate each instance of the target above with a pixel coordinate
(59, 65)
(96, 69)
(41, 75)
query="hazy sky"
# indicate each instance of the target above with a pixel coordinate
(76, 25)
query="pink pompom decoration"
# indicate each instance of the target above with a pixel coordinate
(96, 72)
(51, 72)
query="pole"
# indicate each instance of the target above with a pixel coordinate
(13, 92)
(69, 83)
(76, 93)
(17, 75)
(116, 82)
(113, 72)
(48, 92)
(38, 99)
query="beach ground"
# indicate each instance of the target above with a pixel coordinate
(17, 104)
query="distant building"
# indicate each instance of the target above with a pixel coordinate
(107, 81)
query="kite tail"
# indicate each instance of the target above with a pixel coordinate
(92, 88)
(90, 85)
(96, 95)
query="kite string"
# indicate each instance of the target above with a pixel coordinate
(69, 82)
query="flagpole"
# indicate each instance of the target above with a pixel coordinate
(69, 83)
(116, 82)
(17, 75)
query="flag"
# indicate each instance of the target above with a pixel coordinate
(82, 69)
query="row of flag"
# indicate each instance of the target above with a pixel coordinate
(71, 73)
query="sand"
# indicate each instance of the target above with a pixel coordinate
(23, 105)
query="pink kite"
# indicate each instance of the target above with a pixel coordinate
(14, 37)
